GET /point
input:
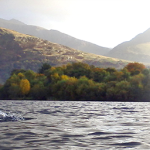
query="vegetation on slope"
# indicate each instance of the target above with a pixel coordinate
(20, 51)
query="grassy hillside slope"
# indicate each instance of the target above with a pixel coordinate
(137, 49)
(20, 51)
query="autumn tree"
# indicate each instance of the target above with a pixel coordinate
(135, 68)
(21, 75)
(24, 86)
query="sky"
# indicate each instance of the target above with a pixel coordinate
(103, 22)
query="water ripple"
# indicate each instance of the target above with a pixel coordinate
(74, 125)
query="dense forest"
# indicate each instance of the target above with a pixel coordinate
(79, 81)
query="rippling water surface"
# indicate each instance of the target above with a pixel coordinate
(46, 125)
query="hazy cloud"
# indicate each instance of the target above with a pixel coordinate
(56, 9)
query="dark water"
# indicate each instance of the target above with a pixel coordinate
(74, 125)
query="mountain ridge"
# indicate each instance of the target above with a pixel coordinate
(137, 49)
(54, 36)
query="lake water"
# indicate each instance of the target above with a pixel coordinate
(49, 125)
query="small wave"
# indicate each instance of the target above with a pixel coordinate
(123, 108)
(4, 117)
(98, 133)
(45, 111)
(127, 144)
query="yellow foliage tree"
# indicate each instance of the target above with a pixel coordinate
(24, 86)
(55, 77)
(64, 77)
(52, 69)
(21, 75)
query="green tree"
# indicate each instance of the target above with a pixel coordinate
(55, 78)
(65, 89)
(123, 91)
(16, 71)
(137, 88)
(44, 67)
(85, 89)
(99, 74)
(39, 92)
(30, 75)
(77, 70)
(14, 91)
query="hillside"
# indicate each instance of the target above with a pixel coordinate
(137, 49)
(20, 51)
(54, 36)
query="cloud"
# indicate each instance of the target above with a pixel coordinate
(54, 9)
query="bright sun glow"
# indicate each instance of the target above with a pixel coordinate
(108, 22)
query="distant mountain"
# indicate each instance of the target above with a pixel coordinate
(54, 36)
(14, 21)
(20, 51)
(137, 49)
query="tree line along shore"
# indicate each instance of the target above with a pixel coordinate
(79, 81)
